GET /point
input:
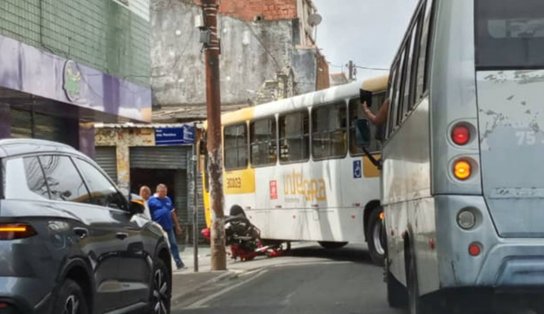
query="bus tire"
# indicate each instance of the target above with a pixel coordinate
(416, 303)
(332, 245)
(397, 296)
(376, 237)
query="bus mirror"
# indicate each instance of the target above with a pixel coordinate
(362, 132)
(365, 96)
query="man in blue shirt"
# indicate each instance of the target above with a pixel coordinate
(163, 212)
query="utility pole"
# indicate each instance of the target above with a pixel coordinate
(350, 70)
(213, 104)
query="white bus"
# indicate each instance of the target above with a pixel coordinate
(463, 171)
(294, 168)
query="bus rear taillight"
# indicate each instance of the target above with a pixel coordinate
(474, 249)
(460, 134)
(462, 169)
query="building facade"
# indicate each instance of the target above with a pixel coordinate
(65, 64)
(268, 52)
(148, 154)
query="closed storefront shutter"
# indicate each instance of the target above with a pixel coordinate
(21, 123)
(180, 186)
(105, 157)
(26, 124)
(157, 157)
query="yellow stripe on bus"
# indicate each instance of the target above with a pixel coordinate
(369, 170)
(239, 181)
(238, 116)
(376, 84)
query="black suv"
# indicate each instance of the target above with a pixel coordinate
(70, 242)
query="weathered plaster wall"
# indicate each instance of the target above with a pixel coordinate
(123, 139)
(252, 53)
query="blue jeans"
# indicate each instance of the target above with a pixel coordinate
(174, 247)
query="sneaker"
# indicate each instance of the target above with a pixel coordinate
(181, 266)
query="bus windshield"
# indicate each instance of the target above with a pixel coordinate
(509, 34)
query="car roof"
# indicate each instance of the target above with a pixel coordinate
(21, 146)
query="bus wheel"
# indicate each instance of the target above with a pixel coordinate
(331, 245)
(376, 236)
(416, 303)
(397, 296)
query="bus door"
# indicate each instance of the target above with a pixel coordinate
(510, 96)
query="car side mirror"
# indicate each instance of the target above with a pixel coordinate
(362, 133)
(136, 204)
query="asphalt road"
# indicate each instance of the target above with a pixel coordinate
(310, 280)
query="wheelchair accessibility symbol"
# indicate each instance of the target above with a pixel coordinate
(356, 169)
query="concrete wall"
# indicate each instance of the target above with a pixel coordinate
(103, 34)
(252, 52)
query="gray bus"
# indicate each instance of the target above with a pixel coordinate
(463, 156)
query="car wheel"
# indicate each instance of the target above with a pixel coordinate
(376, 237)
(160, 289)
(70, 299)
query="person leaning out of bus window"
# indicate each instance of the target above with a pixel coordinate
(381, 116)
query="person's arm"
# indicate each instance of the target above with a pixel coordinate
(176, 222)
(381, 116)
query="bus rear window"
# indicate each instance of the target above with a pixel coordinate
(509, 34)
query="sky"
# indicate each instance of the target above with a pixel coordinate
(368, 32)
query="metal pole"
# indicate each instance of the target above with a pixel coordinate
(195, 201)
(350, 69)
(213, 102)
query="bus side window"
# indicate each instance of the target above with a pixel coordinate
(410, 65)
(422, 83)
(263, 142)
(356, 112)
(294, 136)
(393, 95)
(235, 146)
(329, 131)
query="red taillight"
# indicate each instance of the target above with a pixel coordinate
(3, 305)
(460, 134)
(474, 249)
(15, 231)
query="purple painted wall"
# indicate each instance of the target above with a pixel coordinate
(25, 68)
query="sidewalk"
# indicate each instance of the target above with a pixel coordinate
(187, 283)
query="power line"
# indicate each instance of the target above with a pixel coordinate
(372, 68)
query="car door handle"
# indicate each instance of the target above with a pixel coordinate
(121, 235)
(81, 232)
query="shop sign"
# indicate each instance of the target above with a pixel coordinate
(184, 135)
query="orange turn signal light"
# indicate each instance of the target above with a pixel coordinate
(15, 231)
(462, 169)
(12, 228)
(382, 215)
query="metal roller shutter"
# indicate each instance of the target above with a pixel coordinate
(180, 186)
(106, 158)
(28, 124)
(21, 123)
(157, 157)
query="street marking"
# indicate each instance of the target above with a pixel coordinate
(200, 304)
